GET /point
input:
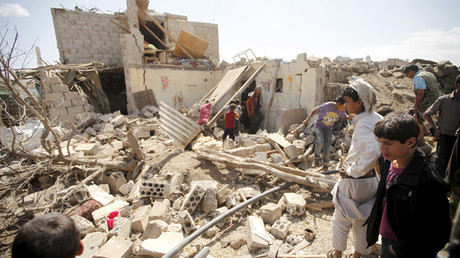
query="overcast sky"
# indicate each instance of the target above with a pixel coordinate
(279, 29)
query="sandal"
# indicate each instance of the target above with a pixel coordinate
(330, 253)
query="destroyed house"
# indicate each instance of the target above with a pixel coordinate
(151, 58)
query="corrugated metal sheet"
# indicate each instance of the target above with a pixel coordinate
(178, 126)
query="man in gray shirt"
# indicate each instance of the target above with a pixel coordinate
(448, 108)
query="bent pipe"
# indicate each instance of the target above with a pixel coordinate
(201, 230)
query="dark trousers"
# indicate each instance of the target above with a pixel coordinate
(443, 152)
(386, 252)
(230, 132)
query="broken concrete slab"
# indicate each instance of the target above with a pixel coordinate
(257, 236)
(158, 247)
(98, 194)
(140, 218)
(92, 243)
(270, 212)
(83, 225)
(154, 229)
(99, 215)
(116, 247)
(160, 210)
(295, 203)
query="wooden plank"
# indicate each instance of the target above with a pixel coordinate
(232, 76)
(154, 35)
(248, 82)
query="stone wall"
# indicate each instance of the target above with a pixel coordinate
(62, 104)
(84, 37)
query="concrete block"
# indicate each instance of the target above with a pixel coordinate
(192, 199)
(270, 212)
(140, 218)
(158, 247)
(57, 113)
(160, 209)
(74, 110)
(83, 225)
(121, 227)
(187, 222)
(92, 243)
(115, 179)
(280, 228)
(309, 139)
(300, 144)
(176, 181)
(223, 193)
(220, 211)
(257, 236)
(277, 158)
(88, 148)
(291, 151)
(125, 189)
(98, 194)
(141, 133)
(99, 215)
(52, 80)
(59, 88)
(154, 229)
(104, 138)
(173, 227)
(107, 128)
(295, 203)
(209, 201)
(72, 95)
(119, 134)
(79, 102)
(116, 247)
(119, 120)
(237, 240)
(150, 188)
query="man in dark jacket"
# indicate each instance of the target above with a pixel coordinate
(411, 211)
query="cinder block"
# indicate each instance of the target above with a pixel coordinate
(160, 210)
(160, 246)
(192, 199)
(270, 212)
(151, 188)
(280, 228)
(56, 97)
(99, 195)
(58, 88)
(257, 236)
(154, 229)
(119, 120)
(125, 189)
(291, 151)
(140, 218)
(88, 108)
(88, 148)
(295, 203)
(72, 95)
(79, 102)
(75, 110)
(209, 201)
(116, 247)
(115, 179)
(52, 80)
(223, 193)
(187, 222)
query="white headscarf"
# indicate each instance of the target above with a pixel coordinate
(366, 93)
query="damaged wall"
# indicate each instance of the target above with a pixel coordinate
(84, 37)
(177, 88)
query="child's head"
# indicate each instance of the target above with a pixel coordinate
(397, 134)
(49, 235)
(232, 107)
(340, 103)
(353, 103)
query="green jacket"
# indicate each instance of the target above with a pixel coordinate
(431, 91)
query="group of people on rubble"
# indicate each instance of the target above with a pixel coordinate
(387, 184)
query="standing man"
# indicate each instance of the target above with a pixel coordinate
(426, 92)
(328, 114)
(448, 108)
(253, 105)
(354, 192)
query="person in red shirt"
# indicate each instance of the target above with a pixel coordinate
(229, 119)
